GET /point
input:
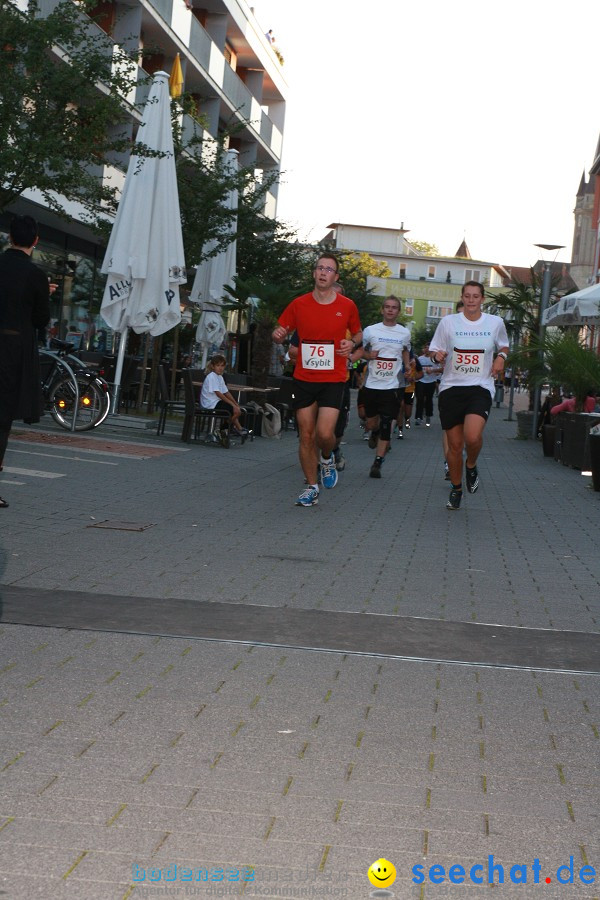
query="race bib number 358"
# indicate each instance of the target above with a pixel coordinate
(318, 355)
(468, 362)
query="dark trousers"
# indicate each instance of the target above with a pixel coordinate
(424, 394)
(343, 416)
(4, 433)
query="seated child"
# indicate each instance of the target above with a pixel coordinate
(215, 394)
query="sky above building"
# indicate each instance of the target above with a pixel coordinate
(471, 120)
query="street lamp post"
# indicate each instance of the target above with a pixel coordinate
(544, 299)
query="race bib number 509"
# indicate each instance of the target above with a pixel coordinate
(383, 369)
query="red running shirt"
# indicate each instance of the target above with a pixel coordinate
(320, 328)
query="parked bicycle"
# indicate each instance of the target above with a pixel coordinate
(71, 389)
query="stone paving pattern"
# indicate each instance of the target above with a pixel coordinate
(122, 750)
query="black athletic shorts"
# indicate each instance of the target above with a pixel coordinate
(323, 393)
(381, 402)
(457, 402)
(344, 410)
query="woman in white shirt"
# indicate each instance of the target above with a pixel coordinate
(471, 346)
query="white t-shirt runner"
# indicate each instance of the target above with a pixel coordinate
(389, 341)
(470, 347)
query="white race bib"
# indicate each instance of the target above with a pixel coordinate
(468, 362)
(318, 355)
(383, 370)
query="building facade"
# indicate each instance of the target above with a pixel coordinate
(235, 77)
(429, 286)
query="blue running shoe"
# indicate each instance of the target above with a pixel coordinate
(329, 475)
(308, 497)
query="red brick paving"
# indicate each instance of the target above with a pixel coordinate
(99, 445)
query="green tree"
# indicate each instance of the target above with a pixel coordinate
(355, 268)
(519, 307)
(420, 335)
(425, 248)
(57, 128)
(204, 183)
(268, 249)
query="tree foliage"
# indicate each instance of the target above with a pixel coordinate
(355, 268)
(57, 128)
(425, 248)
(268, 249)
(519, 307)
(420, 335)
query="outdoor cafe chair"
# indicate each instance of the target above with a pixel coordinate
(166, 405)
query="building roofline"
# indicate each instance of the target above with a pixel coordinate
(370, 227)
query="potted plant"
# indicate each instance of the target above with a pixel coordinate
(562, 361)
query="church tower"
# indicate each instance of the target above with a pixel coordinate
(584, 234)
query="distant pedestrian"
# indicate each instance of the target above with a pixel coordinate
(570, 404)
(270, 36)
(425, 388)
(24, 307)
(277, 360)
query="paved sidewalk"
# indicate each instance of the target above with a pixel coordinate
(139, 739)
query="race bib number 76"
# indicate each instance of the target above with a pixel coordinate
(318, 355)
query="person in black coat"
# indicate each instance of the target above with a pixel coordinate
(24, 307)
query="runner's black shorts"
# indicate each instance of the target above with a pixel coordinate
(323, 393)
(381, 402)
(344, 410)
(455, 403)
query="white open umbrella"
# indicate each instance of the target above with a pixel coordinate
(144, 259)
(213, 274)
(580, 308)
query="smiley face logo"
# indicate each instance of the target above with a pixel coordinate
(382, 873)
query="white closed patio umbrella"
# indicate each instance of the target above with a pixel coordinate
(213, 274)
(144, 259)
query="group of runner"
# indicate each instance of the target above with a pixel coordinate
(468, 350)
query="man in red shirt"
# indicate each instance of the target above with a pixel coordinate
(322, 319)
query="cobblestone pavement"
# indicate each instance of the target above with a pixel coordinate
(129, 756)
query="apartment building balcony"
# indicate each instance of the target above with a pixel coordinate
(208, 75)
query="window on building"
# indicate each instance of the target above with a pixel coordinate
(402, 271)
(439, 310)
(409, 306)
(431, 271)
(473, 275)
(230, 56)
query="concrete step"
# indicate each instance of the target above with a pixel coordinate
(135, 423)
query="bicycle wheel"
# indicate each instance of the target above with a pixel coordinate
(93, 403)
